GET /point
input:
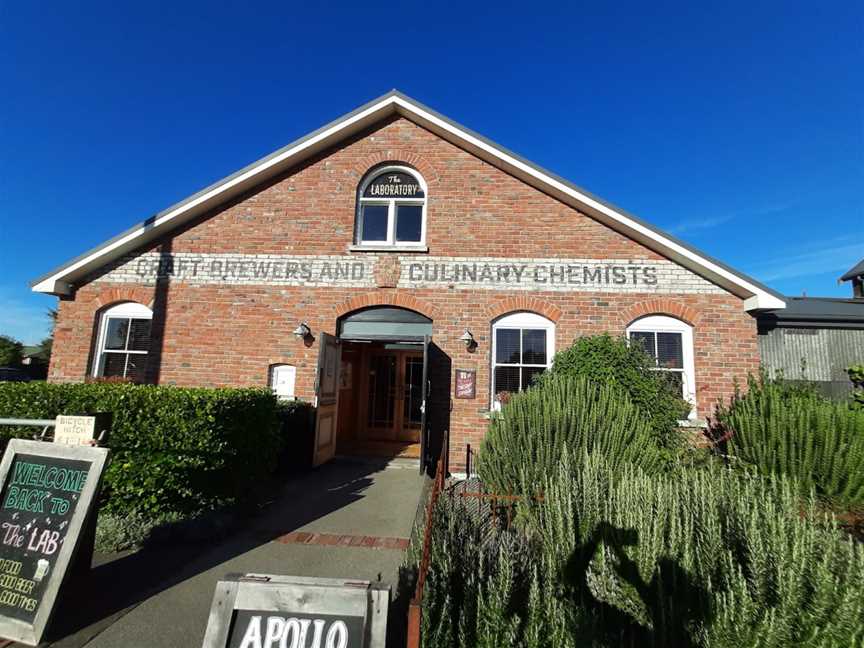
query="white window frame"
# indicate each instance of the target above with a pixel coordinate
(392, 205)
(668, 324)
(518, 321)
(126, 310)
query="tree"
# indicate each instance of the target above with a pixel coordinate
(46, 344)
(11, 351)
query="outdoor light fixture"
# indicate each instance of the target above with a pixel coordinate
(468, 339)
(303, 331)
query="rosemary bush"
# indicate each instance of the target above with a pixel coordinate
(700, 558)
(785, 430)
(564, 414)
(614, 556)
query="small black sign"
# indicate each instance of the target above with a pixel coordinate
(47, 492)
(258, 628)
(394, 184)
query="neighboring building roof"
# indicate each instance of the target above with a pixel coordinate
(821, 312)
(62, 280)
(854, 272)
(31, 351)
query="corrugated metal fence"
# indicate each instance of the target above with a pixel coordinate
(813, 354)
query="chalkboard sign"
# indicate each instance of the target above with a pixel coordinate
(48, 490)
(262, 610)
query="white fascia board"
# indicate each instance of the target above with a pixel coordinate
(671, 248)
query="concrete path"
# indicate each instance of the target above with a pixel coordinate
(348, 519)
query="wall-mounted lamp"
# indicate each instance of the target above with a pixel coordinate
(468, 340)
(303, 331)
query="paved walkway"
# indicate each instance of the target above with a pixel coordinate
(348, 519)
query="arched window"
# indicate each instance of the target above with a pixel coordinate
(523, 344)
(670, 342)
(391, 208)
(123, 342)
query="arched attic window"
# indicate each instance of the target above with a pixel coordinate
(391, 208)
(669, 341)
(123, 342)
(523, 344)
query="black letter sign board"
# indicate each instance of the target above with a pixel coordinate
(266, 611)
(47, 493)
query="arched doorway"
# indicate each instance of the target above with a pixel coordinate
(384, 354)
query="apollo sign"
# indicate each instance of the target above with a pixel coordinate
(270, 630)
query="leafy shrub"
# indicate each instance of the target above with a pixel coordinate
(120, 532)
(856, 375)
(614, 556)
(173, 449)
(565, 413)
(786, 430)
(607, 359)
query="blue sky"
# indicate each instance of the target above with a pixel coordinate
(737, 126)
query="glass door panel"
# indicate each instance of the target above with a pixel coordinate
(382, 391)
(411, 414)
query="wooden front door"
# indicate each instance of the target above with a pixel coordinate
(394, 396)
(326, 399)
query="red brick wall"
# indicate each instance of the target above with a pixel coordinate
(229, 335)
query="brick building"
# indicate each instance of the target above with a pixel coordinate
(389, 250)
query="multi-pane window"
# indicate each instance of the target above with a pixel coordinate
(124, 342)
(391, 208)
(670, 343)
(522, 348)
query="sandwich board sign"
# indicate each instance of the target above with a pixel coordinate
(269, 611)
(48, 492)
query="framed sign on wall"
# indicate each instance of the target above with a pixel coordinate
(466, 383)
(48, 494)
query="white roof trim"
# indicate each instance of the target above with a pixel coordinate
(63, 279)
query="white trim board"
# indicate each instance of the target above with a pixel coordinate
(62, 280)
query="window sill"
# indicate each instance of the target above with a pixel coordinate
(389, 248)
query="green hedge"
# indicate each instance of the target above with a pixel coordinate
(173, 449)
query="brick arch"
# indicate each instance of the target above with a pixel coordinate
(387, 298)
(523, 303)
(124, 294)
(396, 156)
(659, 306)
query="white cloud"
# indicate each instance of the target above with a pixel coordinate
(710, 222)
(836, 255)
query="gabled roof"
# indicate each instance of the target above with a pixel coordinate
(63, 279)
(854, 272)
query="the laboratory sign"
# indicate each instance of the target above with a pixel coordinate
(394, 185)
(412, 271)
